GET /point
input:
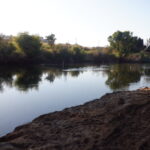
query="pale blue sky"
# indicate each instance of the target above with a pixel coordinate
(89, 22)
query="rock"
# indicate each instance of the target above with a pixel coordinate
(7, 146)
(117, 121)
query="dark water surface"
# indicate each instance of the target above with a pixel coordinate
(26, 93)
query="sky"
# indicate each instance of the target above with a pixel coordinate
(86, 22)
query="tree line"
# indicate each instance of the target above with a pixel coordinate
(28, 48)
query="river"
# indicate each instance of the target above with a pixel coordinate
(26, 93)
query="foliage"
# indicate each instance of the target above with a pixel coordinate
(125, 43)
(7, 49)
(29, 44)
(27, 49)
(50, 39)
(78, 53)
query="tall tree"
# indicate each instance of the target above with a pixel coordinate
(7, 49)
(51, 39)
(125, 42)
(29, 44)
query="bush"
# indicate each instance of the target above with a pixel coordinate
(29, 44)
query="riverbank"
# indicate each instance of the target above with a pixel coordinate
(119, 120)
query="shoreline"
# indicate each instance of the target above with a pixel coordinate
(53, 64)
(115, 121)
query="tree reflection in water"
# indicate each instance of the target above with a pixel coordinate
(119, 76)
(6, 77)
(28, 78)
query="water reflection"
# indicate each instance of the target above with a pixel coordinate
(28, 79)
(118, 76)
(6, 78)
(48, 89)
(25, 79)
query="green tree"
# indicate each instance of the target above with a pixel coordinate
(29, 44)
(51, 39)
(7, 49)
(125, 42)
(78, 53)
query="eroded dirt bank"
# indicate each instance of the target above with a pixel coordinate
(117, 121)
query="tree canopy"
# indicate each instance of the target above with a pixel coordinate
(29, 44)
(125, 42)
(29, 48)
(51, 39)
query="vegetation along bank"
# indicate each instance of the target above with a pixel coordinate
(34, 49)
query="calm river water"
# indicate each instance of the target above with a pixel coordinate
(26, 93)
